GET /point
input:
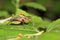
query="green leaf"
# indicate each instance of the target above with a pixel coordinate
(4, 14)
(50, 36)
(53, 25)
(35, 5)
(9, 6)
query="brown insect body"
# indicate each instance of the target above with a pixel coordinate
(20, 19)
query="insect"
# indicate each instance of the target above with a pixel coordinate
(21, 18)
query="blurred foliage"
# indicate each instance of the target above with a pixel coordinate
(55, 4)
(4, 14)
(52, 7)
(57, 7)
(50, 36)
(53, 25)
(34, 5)
(11, 31)
(10, 6)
